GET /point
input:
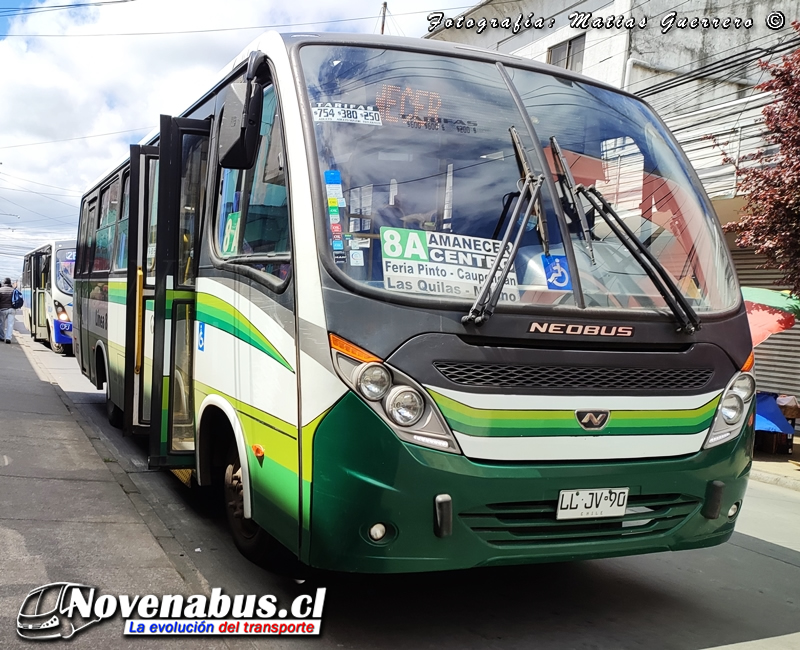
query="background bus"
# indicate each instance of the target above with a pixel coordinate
(279, 288)
(47, 286)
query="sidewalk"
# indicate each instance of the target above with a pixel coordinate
(777, 470)
(68, 513)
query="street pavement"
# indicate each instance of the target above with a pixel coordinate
(78, 504)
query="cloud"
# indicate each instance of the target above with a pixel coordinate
(70, 74)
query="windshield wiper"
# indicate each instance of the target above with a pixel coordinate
(484, 305)
(568, 188)
(686, 316)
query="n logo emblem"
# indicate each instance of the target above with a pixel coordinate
(592, 420)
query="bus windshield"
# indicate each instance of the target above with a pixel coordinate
(421, 178)
(65, 268)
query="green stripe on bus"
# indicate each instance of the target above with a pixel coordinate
(508, 423)
(226, 317)
(118, 292)
(278, 437)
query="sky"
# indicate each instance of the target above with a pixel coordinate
(80, 81)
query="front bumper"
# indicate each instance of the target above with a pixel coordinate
(503, 513)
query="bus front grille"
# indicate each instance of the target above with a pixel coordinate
(574, 377)
(534, 523)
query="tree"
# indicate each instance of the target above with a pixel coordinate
(770, 221)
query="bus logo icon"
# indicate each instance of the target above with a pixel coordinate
(592, 420)
(48, 612)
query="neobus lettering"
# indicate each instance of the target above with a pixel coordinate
(584, 330)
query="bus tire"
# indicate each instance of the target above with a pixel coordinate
(252, 541)
(113, 412)
(255, 543)
(55, 347)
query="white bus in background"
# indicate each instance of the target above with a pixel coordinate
(47, 286)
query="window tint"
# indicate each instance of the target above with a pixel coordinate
(87, 235)
(104, 240)
(193, 175)
(121, 243)
(253, 204)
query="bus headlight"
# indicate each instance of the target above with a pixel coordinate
(373, 381)
(731, 408)
(735, 402)
(744, 386)
(400, 402)
(405, 406)
(61, 313)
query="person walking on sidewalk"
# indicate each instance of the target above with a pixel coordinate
(7, 311)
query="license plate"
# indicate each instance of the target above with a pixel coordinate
(592, 503)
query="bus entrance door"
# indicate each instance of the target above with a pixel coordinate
(41, 270)
(140, 300)
(183, 162)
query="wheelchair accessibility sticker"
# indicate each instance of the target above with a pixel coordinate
(201, 336)
(556, 271)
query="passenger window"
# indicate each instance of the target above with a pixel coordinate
(121, 242)
(104, 240)
(253, 207)
(90, 214)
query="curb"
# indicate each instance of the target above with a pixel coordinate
(788, 482)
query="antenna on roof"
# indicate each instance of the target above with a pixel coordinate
(383, 16)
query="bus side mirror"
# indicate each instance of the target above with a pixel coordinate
(240, 126)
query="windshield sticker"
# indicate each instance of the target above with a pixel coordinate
(333, 177)
(339, 257)
(359, 242)
(334, 192)
(420, 261)
(361, 200)
(357, 258)
(349, 113)
(337, 244)
(556, 271)
(336, 228)
(334, 218)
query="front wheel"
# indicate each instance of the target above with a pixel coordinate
(55, 347)
(255, 543)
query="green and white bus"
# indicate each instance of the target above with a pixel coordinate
(417, 306)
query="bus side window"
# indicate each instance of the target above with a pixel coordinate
(87, 236)
(81, 252)
(253, 204)
(120, 255)
(104, 240)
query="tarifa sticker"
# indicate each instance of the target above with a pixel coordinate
(421, 261)
(341, 112)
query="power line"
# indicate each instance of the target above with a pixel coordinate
(25, 180)
(23, 11)
(81, 137)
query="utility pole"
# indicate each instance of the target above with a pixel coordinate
(383, 16)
